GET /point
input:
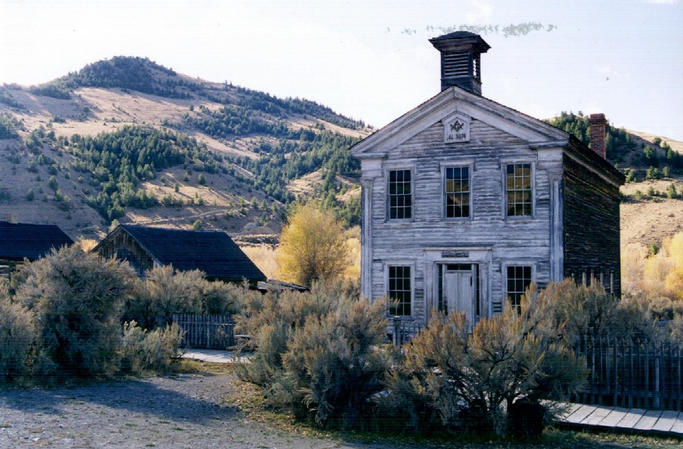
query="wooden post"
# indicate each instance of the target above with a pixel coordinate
(630, 376)
(657, 397)
(616, 377)
(646, 389)
(593, 389)
(678, 372)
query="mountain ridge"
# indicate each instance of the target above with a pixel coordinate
(228, 134)
(211, 155)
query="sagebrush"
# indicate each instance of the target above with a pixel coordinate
(16, 336)
(457, 377)
(317, 353)
(76, 299)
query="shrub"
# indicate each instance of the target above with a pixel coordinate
(630, 175)
(652, 173)
(671, 191)
(143, 351)
(52, 183)
(76, 298)
(166, 291)
(317, 355)
(16, 335)
(271, 319)
(457, 380)
(334, 366)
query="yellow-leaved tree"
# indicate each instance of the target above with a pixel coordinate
(657, 274)
(313, 246)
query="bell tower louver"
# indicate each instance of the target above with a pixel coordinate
(460, 60)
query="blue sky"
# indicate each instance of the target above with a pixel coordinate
(371, 59)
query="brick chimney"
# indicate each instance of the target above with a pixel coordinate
(597, 133)
(460, 60)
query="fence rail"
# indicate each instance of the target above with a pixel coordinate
(403, 330)
(628, 373)
(206, 331)
(622, 372)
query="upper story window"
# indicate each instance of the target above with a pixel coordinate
(400, 194)
(518, 190)
(518, 280)
(399, 291)
(457, 192)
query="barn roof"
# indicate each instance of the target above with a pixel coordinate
(30, 241)
(212, 252)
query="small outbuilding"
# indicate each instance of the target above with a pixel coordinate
(19, 241)
(212, 252)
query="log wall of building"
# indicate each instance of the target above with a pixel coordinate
(591, 227)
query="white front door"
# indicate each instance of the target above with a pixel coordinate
(460, 293)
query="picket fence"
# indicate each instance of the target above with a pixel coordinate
(622, 372)
(206, 331)
(627, 372)
(402, 330)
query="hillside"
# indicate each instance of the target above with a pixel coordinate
(650, 209)
(130, 140)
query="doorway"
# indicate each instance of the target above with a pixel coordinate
(459, 290)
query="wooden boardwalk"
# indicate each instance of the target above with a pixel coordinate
(623, 419)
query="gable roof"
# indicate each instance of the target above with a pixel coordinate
(30, 241)
(444, 104)
(212, 252)
(538, 133)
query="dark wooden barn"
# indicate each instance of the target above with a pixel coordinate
(19, 241)
(212, 252)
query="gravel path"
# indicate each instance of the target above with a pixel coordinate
(179, 412)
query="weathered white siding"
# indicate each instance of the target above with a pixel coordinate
(488, 237)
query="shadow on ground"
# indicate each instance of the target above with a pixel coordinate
(141, 396)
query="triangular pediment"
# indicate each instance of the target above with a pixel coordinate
(458, 117)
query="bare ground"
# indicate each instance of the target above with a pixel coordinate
(213, 410)
(185, 411)
(650, 219)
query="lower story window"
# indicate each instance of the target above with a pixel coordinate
(399, 290)
(518, 280)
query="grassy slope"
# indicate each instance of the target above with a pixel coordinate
(230, 203)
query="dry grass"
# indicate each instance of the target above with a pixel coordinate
(353, 242)
(263, 257)
(650, 219)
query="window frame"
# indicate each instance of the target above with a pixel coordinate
(532, 168)
(516, 263)
(405, 264)
(387, 196)
(444, 196)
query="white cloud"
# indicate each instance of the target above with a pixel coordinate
(663, 2)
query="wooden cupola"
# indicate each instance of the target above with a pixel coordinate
(460, 60)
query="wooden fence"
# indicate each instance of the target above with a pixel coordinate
(621, 372)
(402, 330)
(206, 331)
(628, 373)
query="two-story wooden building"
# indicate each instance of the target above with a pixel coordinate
(466, 201)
